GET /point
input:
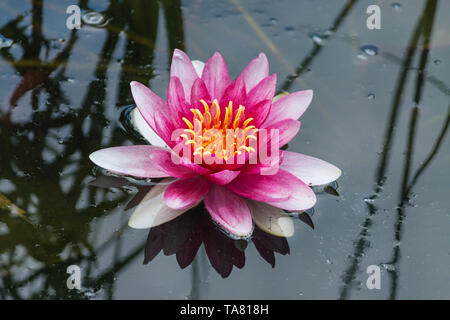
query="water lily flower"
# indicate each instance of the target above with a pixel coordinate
(201, 98)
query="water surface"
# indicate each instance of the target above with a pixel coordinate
(381, 115)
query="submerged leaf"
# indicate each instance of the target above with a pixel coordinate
(304, 217)
(5, 203)
(108, 182)
(331, 190)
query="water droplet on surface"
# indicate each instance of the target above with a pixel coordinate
(369, 50)
(369, 199)
(371, 96)
(437, 62)
(94, 18)
(5, 42)
(328, 32)
(388, 266)
(361, 56)
(397, 6)
(316, 38)
(289, 29)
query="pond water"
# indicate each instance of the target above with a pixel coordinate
(380, 113)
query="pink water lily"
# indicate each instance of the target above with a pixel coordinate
(202, 97)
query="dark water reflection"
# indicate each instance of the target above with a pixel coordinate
(184, 236)
(61, 95)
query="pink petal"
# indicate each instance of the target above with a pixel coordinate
(130, 160)
(164, 128)
(194, 167)
(255, 71)
(287, 130)
(229, 211)
(163, 160)
(152, 107)
(291, 106)
(222, 177)
(310, 170)
(198, 92)
(258, 112)
(263, 187)
(216, 77)
(235, 92)
(302, 197)
(152, 211)
(184, 193)
(265, 90)
(147, 102)
(145, 130)
(175, 98)
(272, 164)
(183, 68)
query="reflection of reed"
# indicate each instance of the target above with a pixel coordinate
(317, 48)
(361, 244)
(423, 29)
(260, 33)
(407, 186)
(62, 216)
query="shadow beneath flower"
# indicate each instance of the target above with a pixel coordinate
(184, 236)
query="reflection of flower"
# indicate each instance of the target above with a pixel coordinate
(201, 97)
(184, 236)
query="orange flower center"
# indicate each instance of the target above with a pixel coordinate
(221, 137)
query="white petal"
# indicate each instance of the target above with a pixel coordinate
(310, 170)
(145, 130)
(152, 211)
(279, 96)
(198, 66)
(271, 219)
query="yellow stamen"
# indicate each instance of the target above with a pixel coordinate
(189, 124)
(228, 113)
(246, 122)
(205, 105)
(217, 116)
(190, 131)
(238, 115)
(199, 114)
(248, 128)
(199, 125)
(232, 134)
